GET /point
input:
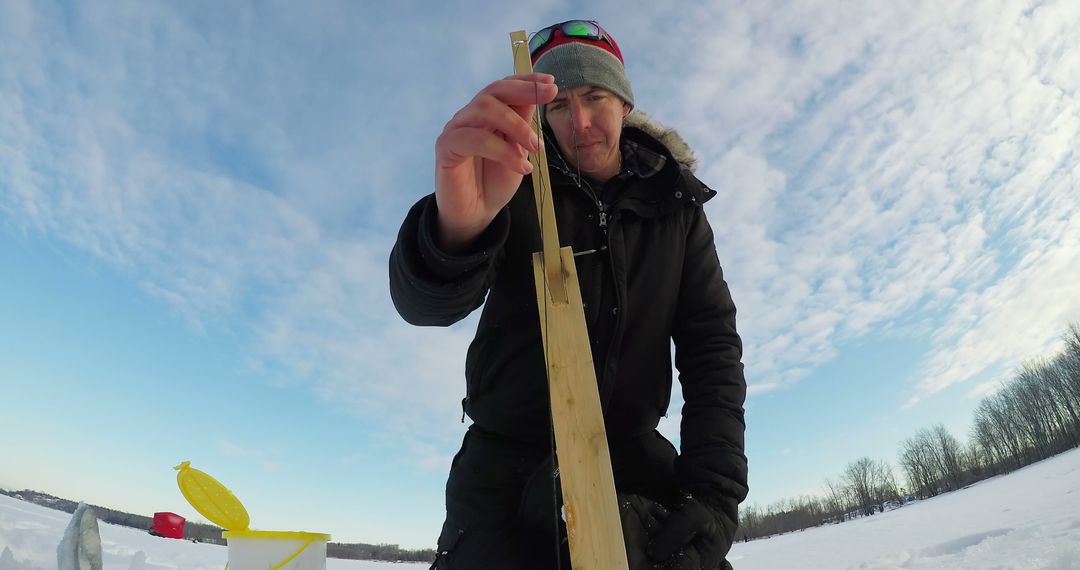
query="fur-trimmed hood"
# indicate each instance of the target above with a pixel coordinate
(667, 136)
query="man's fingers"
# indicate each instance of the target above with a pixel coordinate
(487, 112)
(534, 76)
(687, 559)
(505, 108)
(657, 512)
(543, 91)
(678, 532)
(543, 88)
(459, 145)
(516, 91)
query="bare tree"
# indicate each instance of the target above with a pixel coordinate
(1003, 418)
(750, 519)
(975, 460)
(1072, 339)
(837, 501)
(916, 459)
(948, 455)
(884, 487)
(932, 461)
(1063, 382)
(870, 483)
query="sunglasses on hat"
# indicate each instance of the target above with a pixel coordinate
(583, 29)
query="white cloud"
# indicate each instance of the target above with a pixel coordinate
(880, 166)
(1021, 316)
(245, 187)
(985, 389)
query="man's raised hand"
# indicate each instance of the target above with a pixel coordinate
(482, 155)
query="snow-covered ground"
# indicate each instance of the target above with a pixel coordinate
(32, 534)
(1027, 520)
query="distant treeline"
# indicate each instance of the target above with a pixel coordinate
(212, 534)
(1035, 415)
(385, 552)
(192, 530)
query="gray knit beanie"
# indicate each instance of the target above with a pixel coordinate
(578, 61)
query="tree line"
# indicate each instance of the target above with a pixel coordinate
(1035, 415)
(384, 552)
(212, 534)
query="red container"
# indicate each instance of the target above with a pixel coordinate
(169, 525)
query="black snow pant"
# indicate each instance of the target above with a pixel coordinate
(501, 502)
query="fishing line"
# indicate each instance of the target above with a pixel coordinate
(553, 473)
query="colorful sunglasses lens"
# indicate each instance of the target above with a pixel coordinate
(571, 29)
(540, 39)
(581, 29)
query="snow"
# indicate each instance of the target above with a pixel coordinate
(32, 534)
(1028, 520)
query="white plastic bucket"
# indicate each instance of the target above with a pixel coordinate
(276, 550)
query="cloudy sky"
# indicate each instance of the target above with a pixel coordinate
(197, 202)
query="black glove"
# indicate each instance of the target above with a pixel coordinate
(642, 518)
(696, 536)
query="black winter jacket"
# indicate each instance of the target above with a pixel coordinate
(649, 275)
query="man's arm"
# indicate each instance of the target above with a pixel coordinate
(699, 527)
(449, 245)
(432, 287)
(708, 353)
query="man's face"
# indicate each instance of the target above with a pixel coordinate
(587, 122)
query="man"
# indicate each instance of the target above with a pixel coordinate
(627, 203)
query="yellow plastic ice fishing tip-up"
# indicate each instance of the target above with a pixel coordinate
(212, 499)
(217, 503)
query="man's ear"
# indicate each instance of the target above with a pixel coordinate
(625, 109)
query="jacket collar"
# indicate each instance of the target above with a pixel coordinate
(639, 160)
(650, 149)
(668, 138)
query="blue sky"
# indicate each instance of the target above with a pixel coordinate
(197, 202)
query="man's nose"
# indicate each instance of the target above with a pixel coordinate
(580, 116)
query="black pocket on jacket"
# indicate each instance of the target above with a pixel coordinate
(449, 538)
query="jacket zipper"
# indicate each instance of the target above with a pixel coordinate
(617, 330)
(584, 185)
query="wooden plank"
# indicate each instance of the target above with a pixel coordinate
(590, 505)
(545, 209)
